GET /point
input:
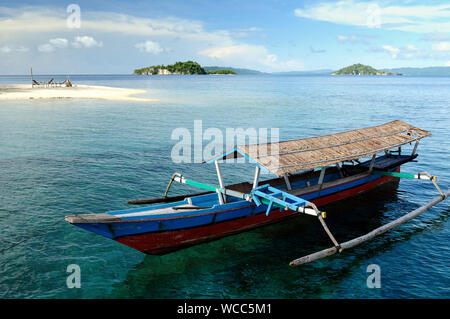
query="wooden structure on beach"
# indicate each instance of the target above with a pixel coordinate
(310, 173)
(50, 83)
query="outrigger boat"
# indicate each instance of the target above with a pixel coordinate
(311, 172)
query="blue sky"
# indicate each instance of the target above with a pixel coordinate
(266, 35)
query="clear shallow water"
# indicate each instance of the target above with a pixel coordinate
(63, 157)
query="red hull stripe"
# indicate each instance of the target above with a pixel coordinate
(163, 242)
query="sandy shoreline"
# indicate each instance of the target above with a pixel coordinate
(25, 92)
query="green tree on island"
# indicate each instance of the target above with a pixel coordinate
(221, 71)
(361, 69)
(188, 67)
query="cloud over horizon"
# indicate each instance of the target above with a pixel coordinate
(218, 46)
(418, 18)
(304, 36)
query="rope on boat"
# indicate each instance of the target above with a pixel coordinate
(378, 231)
(170, 183)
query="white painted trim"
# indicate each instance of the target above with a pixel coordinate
(222, 198)
(256, 177)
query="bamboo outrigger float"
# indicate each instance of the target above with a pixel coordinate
(311, 172)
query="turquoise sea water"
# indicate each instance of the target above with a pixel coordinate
(64, 157)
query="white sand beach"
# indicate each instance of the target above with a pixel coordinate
(25, 91)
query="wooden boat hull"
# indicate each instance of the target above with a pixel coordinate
(162, 242)
(318, 170)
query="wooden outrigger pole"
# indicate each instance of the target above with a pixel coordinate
(369, 236)
(380, 230)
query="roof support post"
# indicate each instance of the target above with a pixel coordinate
(340, 170)
(219, 177)
(415, 148)
(256, 177)
(288, 184)
(372, 162)
(322, 175)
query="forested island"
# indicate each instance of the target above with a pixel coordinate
(221, 71)
(361, 69)
(188, 67)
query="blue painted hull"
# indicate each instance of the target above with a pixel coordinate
(161, 233)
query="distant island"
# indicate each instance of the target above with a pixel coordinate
(191, 67)
(239, 71)
(427, 71)
(188, 67)
(361, 69)
(221, 71)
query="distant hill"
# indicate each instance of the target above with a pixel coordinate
(236, 70)
(221, 72)
(429, 71)
(361, 69)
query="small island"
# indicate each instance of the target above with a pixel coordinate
(221, 71)
(361, 69)
(184, 68)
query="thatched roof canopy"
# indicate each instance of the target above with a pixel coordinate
(307, 153)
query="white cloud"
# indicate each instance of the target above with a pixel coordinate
(53, 44)
(40, 21)
(244, 55)
(415, 18)
(149, 47)
(13, 48)
(289, 65)
(404, 53)
(271, 58)
(186, 37)
(59, 42)
(29, 20)
(447, 63)
(441, 46)
(86, 41)
(348, 38)
(233, 51)
(343, 38)
(46, 48)
(352, 38)
(393, 51)
(247, 32)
